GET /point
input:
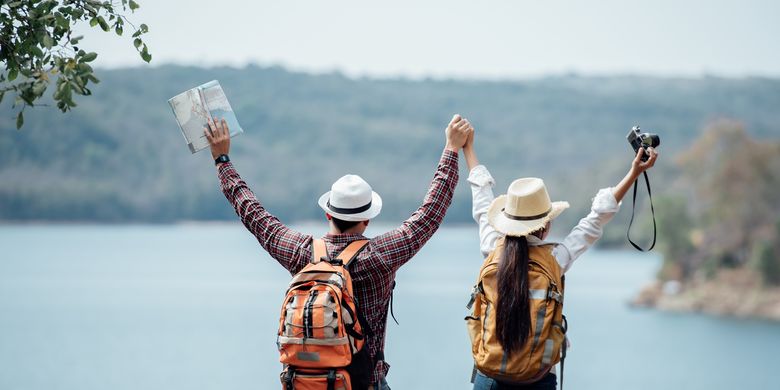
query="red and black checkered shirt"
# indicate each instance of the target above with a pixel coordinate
(373, 271)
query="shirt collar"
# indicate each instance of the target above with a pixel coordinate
(343, 237)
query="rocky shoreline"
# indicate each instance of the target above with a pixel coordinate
(733, 293)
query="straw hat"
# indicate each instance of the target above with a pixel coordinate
(351, 199)
(524, 209)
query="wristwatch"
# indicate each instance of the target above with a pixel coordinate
(223, 158)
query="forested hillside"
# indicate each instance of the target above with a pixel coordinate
(119, 156)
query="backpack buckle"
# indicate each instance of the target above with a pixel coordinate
(473, 298)
(288, 378)
(331, 379)
(336, 262)
(556, 296)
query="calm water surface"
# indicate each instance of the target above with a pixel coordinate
(196, 306)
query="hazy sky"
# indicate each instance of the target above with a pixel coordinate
(494, 39)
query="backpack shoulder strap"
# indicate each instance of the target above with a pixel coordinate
(318, 250)
(351, 251)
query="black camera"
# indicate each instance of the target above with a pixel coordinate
(637, 139)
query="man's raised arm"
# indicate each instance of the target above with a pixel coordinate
(401, 244)
(282, 243)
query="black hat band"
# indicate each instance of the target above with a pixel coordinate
(355, 210)
(530, 218)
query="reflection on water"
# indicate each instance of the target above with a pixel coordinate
(196, 306)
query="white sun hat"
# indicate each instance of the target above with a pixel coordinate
(524, 209)
(351, 199)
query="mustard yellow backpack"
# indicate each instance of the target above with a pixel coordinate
(546, 343)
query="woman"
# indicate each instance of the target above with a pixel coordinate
(518, 223)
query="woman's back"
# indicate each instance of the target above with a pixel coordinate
(531, 359)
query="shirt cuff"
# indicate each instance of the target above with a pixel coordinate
(480, 176)
(605, 202)
(449, 160)
(449, 155)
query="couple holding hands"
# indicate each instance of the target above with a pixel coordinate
(516, 326)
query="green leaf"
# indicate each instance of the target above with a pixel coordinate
(103, 23)
(93, 22)
(89, 57)
(36, 51)
(137, 42)
(12, 74)
(61, 22)
(39, 88)
(118, 29)
(26, 96)
(19, 120)
(145, 54)
(133, 5)
(75, 40)
(47, 41)
(144, 28)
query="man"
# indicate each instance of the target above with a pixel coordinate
(349, 207)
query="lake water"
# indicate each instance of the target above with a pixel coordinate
(196, 307)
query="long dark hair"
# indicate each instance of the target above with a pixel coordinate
(513, 310)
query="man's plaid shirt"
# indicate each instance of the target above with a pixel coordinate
(373, 271)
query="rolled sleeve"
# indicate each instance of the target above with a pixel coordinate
(604, 202)
(588, 230)
(480, 177)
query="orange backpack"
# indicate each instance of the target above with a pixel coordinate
(546, 343)
(319, 330)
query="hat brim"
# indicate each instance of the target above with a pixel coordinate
(511, 227)
(373, 211)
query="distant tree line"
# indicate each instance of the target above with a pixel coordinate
(121, 157)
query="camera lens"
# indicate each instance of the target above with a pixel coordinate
(654, 140)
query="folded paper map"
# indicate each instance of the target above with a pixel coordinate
(193, 107)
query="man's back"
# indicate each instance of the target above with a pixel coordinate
(373, 271)
(374, 268)
(372, 282)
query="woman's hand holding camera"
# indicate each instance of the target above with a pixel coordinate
(637, 168)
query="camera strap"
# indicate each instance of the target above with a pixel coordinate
(633, 210)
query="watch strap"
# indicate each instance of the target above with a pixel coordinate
(223, 158)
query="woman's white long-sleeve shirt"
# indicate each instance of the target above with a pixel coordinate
(582, 237)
